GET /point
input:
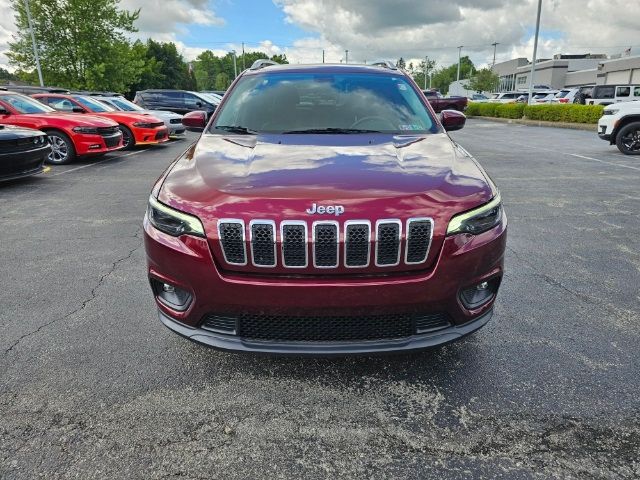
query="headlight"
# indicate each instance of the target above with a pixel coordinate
(143, 125)
(610, 112)
(171, 221)
(477, 220)
(85, 130)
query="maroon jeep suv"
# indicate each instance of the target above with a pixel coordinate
(324, 211)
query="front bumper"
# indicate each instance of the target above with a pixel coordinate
(606, 127)
(16, 165)
(408, 344)
(94, 144)
(463, 261)
(150, 136)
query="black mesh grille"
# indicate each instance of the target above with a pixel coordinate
(220, 323)
(388, 244)
(232, 241)
(106, 131)
(175, 120)
(326, 245)
(357, 245)
(418, 239)
(431, 321)
(112, 141)
(294, 246)
(262, 244)
(334, 328)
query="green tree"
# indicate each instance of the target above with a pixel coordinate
(222, 81)
(484, 80)
(401, 63)
(443, 77)
(418, 73)
(82, 43)
(6, 75)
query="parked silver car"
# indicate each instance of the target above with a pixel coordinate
(172, 120)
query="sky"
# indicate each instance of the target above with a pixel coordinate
(382, 29)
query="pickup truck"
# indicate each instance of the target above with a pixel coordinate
(440, 102)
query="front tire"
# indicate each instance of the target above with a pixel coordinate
(62, 149)
(628, 139)
(128, 140)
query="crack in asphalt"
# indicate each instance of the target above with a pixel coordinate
(93, 295)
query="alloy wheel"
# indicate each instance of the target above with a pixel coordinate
(59, 149)
(631, 140)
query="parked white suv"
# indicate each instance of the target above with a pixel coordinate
(608, 94)
(620, 124)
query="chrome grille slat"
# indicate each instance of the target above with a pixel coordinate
(326, 236)
(293, 235)
(392, 240)
(357, 238)
(262, 237)
(232, 240)
(419, 235)
(388, 235)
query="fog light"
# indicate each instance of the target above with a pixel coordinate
(478, 295)
(170, 295)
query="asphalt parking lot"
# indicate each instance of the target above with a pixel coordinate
(93, 386)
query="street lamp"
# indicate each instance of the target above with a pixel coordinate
(535, 52)
(459, 52)
(235, 67)
(33, 41)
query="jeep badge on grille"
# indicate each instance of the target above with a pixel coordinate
(336, 210)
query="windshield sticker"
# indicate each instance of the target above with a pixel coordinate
(402, 86)
(411, 127)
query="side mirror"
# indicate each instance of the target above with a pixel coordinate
(4, 111)
(78, 110)
(195, 121)
(452, 120)
(199, 104)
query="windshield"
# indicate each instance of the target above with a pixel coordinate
(325, 102)
(125, 105)
(25, 104)
(93, 105)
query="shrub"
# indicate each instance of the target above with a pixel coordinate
(510, 110)
(564, 113)
(550, 113)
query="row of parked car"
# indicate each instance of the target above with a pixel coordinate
(588, 94)
(57, 126)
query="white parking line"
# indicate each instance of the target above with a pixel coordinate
(95, 163)
(603, 161)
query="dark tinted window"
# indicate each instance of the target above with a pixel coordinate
(623, 92)
(279, 102)
(604, 92)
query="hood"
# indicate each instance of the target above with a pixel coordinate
(10, 132)
(162, 114)
(281, 177)
(334, 167)
(129, 117)
(76, 119)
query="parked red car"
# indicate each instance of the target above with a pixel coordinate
(324, 211)
(137, 128)
(70, 136)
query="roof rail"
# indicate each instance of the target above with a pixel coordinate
(384, 63)
(261, 63)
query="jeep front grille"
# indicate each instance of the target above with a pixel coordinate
(352, 244)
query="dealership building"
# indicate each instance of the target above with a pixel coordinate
(566, 71)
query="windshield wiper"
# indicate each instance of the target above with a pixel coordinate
(333, 130)
(235, 129)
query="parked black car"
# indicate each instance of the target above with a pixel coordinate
(178, 101)
(22, 152)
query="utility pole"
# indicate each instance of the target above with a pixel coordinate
(235, 67)
(323, 56)
(243, 67)
(459, 53)
(535, 53)
(346, 56)
(426, 63)
(495, 44)
(33, 41)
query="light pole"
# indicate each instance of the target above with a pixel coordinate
(235, 67)
(459, 52)
(495, 44)
(535, 52)
(33, 41)
(426, 62)
(346, 56)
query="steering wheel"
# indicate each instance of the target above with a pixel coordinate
(374, 118)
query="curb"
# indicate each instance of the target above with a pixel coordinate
(591, 127)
